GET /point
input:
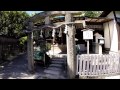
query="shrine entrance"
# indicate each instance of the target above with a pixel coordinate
(62, 33)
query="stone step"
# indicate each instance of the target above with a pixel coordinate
(62, 59)
(56, 65)
(54, 68)
(50, 76)
(57, 62)
(53, 72)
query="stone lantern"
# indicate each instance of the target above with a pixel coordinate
(98, 43)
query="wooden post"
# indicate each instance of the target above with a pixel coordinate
(30, 50)
(87, 46)
(71, 54)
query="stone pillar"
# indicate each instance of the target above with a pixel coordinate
(30, 49)
(71, 54)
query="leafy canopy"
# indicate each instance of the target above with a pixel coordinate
(11, 22)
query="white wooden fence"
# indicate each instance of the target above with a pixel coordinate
(98, 65)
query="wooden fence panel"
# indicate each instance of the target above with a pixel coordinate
(77, 65)
(91, 65)
(80, 65)
(84, 64)
(88, 63)
(95, 64)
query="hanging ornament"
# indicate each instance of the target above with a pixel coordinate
(41, 34)
(66, 29)
(53, 33)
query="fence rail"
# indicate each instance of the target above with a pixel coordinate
(98, 65)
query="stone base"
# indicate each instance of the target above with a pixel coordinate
(113, 77)
(101, 77)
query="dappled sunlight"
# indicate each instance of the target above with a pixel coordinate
(17, 69)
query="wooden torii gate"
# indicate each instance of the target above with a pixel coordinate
(69, 24)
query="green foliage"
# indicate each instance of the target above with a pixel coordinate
(22, 40)
(11, 22)
(48, 46)
(92, 13)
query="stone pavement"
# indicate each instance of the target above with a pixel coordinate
(56, 70)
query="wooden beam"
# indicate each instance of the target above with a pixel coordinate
(91, 20)
(96, 20)
(44, 14)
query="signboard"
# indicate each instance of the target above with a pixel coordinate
(87, 34)
(101, 42)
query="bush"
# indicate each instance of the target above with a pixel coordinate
(48, 46)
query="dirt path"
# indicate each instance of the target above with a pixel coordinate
(17, 69)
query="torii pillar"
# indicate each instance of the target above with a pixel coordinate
(30, 49)
(71, 51)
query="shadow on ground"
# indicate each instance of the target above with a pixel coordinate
(17, 69)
